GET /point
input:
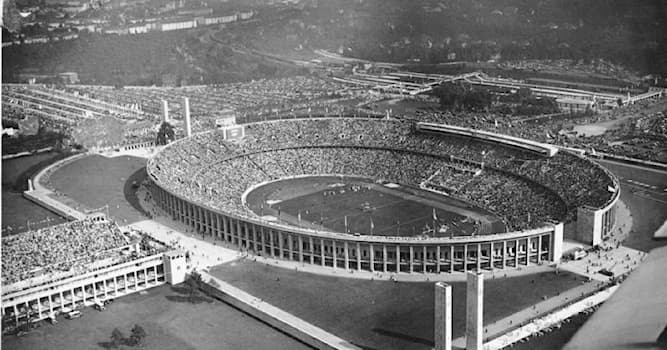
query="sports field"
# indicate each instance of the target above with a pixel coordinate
(96, 181)
(356, 205)
(381, 314)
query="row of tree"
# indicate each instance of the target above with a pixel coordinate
(118, 338)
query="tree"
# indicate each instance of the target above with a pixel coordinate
(194, 282)
(117, 338)
(138, 334)
(166, 134)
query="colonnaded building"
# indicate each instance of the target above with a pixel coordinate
(58, 269)
(533, 190)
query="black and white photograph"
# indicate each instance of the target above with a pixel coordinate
(334, 174)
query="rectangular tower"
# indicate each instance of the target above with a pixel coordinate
(165, 111)
(474, 310)
(443, 316)
(188, 125)
(174, 266)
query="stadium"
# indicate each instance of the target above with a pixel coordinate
(334, 191)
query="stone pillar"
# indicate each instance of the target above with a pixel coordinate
(280, 244)
(474, 310)
(424, 254)
(358, 256)
(188, 124)
(51, 303)
(347, 256)
(224, 228)
(300, 249)
(556, 251)
(384, 258)
(165, 111)
(491, 253)
(312, 250)
(465, 258)
(16, 312)
(443, 316)
(371, 252)
(437, 259)
(398, 258)
(218, 235)
(254, 238)
(334, 253)
(539, 249)
(273, 249)
(322, 256)
(479, 256)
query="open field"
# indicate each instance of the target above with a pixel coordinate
(359, 206)
(383, 314)
(96, 181)
(171, 324)
(16, 210)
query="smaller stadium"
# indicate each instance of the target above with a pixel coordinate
(58, 269)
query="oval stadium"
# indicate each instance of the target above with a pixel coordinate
(384, 194)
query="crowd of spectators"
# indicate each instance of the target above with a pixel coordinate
(523, 187)
(58, 249)
(637, 131)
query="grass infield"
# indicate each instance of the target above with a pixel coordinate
(357, 205)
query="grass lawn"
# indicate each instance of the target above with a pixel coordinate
(170, 325)
(330, 202)
(96, 181)
(383, 314)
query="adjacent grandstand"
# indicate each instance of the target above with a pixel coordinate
(533, 188)
(57, 269)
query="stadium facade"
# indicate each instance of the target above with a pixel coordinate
(198, 181)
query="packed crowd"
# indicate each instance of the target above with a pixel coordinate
(639, 132)
(206, 101)
(59, 248)
(523, 187)
(61, 105)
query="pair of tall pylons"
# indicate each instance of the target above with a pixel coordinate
(474, 313)
(186, 108)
